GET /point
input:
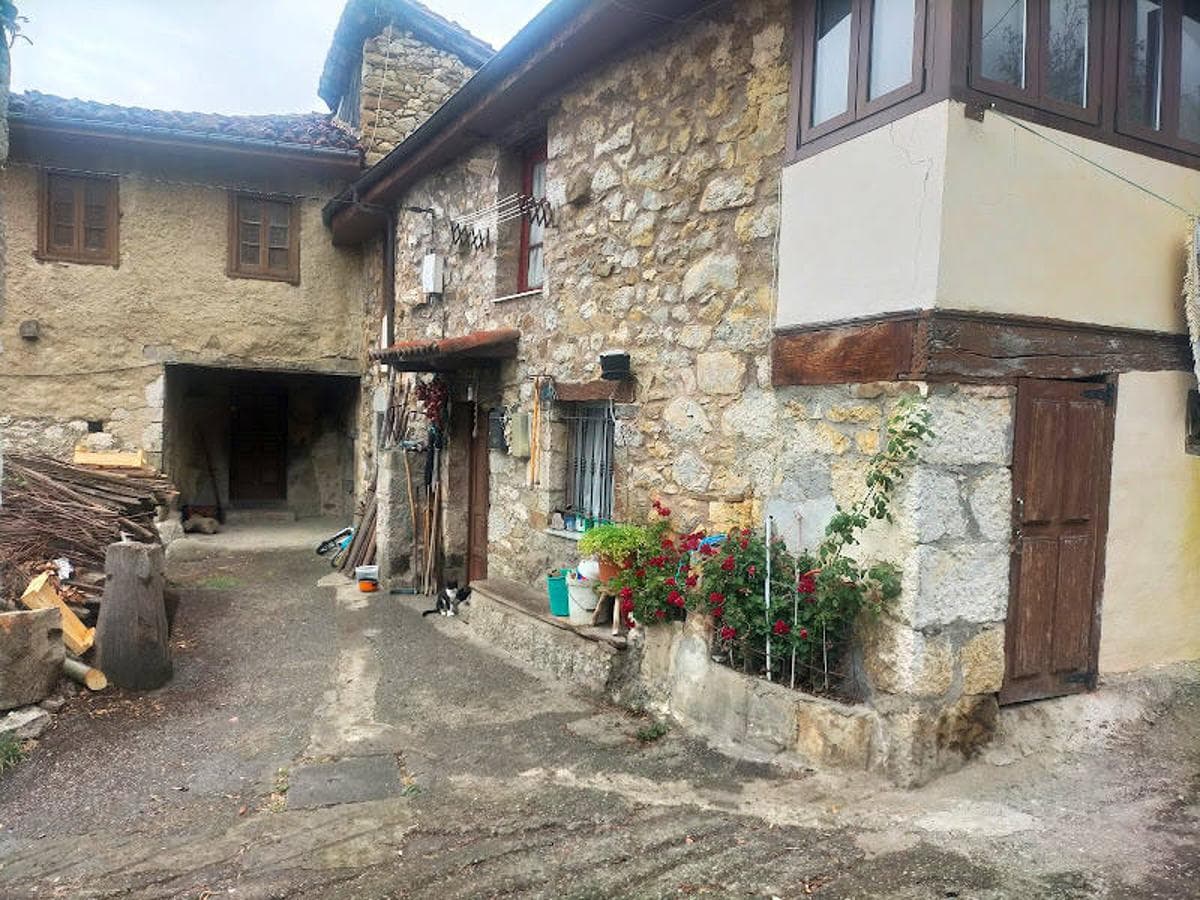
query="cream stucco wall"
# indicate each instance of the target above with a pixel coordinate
(1029, 229)
(860, 228)
(938, 210)
(106, 332)
(1151, 609)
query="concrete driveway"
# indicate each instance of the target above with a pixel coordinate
(316, 742)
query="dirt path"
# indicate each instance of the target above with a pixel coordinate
(319, 743)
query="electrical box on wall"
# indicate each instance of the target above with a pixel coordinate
(433, 273)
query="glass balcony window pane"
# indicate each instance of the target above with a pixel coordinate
(1005, 32)
(831, 66)
(1189, 73)
(891, 46)
(1067, 51)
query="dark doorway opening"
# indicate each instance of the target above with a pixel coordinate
(237, 438)
(258, 456)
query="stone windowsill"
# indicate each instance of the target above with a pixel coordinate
(536, 292)
(565, 535)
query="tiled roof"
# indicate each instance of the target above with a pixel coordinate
(362, 19)
(306, 131)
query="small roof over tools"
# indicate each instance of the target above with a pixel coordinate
(451, 354)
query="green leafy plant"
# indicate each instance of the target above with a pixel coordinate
(616, 543)
(11, 753)
(802, 631)
(648, 734)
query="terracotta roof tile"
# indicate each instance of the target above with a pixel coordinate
(300, 131)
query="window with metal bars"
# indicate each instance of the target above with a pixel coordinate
(590, 473)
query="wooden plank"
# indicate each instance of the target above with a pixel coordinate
(957, 344)
(117, 459)
(877, 350)
(41, 594)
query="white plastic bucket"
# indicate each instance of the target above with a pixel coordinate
(582, 599)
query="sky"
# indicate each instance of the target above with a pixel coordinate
(227, 56)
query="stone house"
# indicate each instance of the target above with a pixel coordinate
(203, 317)
(787, 214)
(169, 290)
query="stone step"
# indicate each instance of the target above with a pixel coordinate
(259, 515)
(590, 657)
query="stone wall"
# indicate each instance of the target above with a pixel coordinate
(664, 171)
(404, 80)
(108, 332)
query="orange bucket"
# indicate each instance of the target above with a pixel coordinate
(368, 587)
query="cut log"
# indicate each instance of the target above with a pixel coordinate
(119, 459)
(91, 678)
(41, 594)
(131, 635)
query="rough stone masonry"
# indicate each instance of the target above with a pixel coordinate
(663, 171)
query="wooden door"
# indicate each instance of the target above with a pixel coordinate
(1061, 467)
(478, 501)
(258, 460)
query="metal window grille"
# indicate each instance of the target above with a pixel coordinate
(590, 479)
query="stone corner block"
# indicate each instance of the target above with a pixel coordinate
(31, 656)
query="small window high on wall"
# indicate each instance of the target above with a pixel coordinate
(532, 271)
(857, 58)
(78, 218)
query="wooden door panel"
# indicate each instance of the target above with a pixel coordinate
(1083, 439)
(1035, 604)
(1073, 603)
(1042, 493)
(478, 500)
(1062, 461)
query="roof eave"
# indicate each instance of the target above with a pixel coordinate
(565, 39)
(177, 137)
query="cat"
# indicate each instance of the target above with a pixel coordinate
(449, 599)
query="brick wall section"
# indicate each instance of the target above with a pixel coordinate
(404, 80)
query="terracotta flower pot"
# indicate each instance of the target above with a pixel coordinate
(608, 569)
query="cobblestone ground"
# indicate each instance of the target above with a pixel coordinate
(318, 743)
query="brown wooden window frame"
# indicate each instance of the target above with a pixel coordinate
(110, 254)
(1172, 61)
(1037, 34)
(860, 110)
(1110, 125)
(235, 268)
(533, 155)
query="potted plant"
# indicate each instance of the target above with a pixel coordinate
(614, 545)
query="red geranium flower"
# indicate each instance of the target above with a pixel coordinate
(750, 570)
(640, 573)
(727, 564)
(675, 598)
(668, 544)
(728, 633)
(663, 511)
(660, 614)
(807, 583)
(743, 544)
(626, 593)
(716, 598)
(626, 606)
(708, 550)
(781, 627)
(669, 581)
(804, 634)
(692, 580)
(718, 611)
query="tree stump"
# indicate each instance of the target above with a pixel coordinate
(131, 634)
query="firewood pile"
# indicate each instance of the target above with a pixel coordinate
(52, 510)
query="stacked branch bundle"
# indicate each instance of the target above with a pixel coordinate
(52, 509)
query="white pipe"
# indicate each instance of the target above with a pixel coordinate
(767, 596)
